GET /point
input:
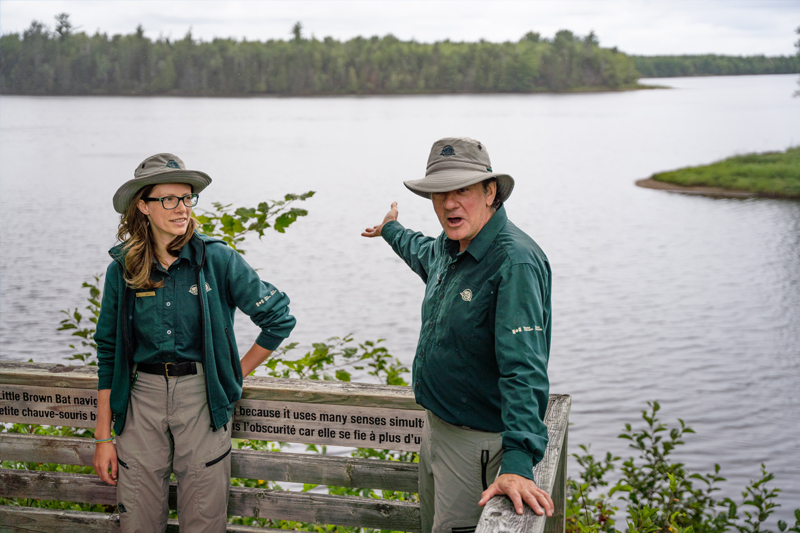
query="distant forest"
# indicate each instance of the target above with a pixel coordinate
(714, 65)
(63, 61)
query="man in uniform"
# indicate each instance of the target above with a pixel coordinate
(480, 369)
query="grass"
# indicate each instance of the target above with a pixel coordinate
(768, 174)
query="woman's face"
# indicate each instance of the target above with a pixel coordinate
(167, 223)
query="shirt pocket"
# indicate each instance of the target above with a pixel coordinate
(147, 320)
(467, 311)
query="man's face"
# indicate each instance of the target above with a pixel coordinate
(463, 212)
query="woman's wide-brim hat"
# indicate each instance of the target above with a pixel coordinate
(159, 168)
(457, 162)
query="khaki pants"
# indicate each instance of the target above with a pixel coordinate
(455, 466)
(168, 429)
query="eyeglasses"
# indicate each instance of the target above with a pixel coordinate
(171, 202)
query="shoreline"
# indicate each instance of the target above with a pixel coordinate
(574, 90)
(700, 190)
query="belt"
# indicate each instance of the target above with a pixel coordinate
(170, 370)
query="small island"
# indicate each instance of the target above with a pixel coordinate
(770, 175)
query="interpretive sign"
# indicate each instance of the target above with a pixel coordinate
(308, 423)
(53, 406)
(341, 425)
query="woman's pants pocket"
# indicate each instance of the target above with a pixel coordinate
(212, 483)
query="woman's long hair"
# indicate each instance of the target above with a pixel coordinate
(134, 232)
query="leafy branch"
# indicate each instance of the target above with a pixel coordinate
(74, 322)
(233, 225)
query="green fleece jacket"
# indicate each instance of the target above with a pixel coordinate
(229, 283)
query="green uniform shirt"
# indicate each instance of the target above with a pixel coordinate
(166, 320)
(483, 349)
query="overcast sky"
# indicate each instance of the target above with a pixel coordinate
(741, 27)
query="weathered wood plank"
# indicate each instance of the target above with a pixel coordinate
(250, 464)
(325, 509)
(558, 522)
(302, 506)
(499, 515)
(326, 470)
(255, 388)
(35, 520)
(48, 375)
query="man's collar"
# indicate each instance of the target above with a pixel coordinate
(485, 237)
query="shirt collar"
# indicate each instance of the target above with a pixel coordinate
(485, 237)
(190, 252)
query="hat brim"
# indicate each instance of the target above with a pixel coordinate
(451, 180)
(122, 198)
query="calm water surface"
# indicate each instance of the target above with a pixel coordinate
(691, 301)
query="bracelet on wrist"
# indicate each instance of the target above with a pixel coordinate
(99, 441)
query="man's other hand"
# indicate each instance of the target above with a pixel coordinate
(519, 489)
(375, 231)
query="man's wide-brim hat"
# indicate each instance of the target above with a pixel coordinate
(457, 162)
(159, 168)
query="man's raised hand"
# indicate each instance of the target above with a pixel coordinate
(375, 231)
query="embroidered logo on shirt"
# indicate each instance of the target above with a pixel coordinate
(262, 301)
(525, 328)
(466, 295)
(193, 289)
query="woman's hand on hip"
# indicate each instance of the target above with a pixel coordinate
(105, 459)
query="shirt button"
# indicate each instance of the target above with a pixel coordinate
(452, 267)
(167, 304)
(169, 332)
(421, 355)
(441, 296)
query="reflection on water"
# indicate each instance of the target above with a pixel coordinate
(691, 301)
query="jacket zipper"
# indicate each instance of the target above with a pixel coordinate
(203, 299)
(233, 355)
(484, 465)
(128, 354)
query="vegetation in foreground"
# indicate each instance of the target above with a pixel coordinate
(659, 494)
(775, 174)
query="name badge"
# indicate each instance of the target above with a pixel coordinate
(143, 294)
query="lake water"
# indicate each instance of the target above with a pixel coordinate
(691, 301)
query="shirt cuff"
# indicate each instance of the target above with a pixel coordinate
(390, 229)
(269, 341)
(104, 380)
(517, 462)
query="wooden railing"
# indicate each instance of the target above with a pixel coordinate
(300, 411)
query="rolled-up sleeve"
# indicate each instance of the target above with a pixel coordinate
(105, 335)
(522, 338)
(266, 306)
(413, 247)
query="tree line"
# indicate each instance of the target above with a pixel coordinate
(66, 62)
(714, 65)
(63, 61)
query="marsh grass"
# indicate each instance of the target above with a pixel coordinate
(768, 174)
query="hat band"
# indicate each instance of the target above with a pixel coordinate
(453, 165)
